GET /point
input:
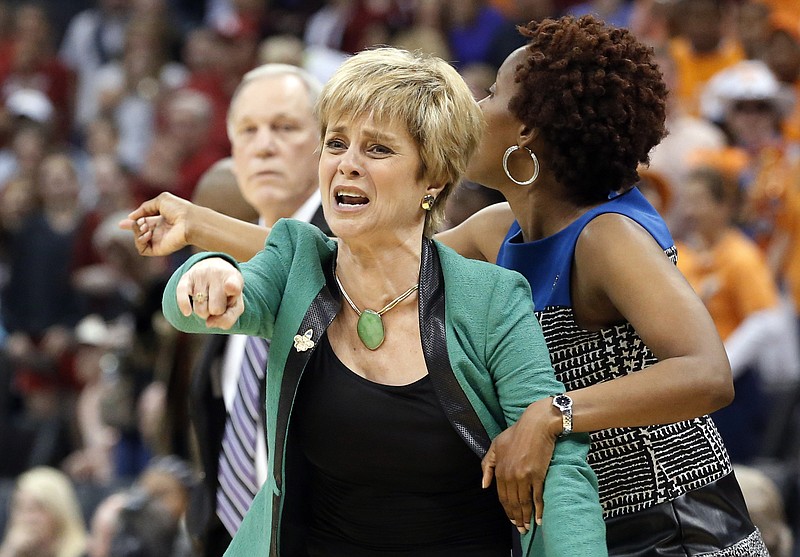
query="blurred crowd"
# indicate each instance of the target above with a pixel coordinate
(106, 103)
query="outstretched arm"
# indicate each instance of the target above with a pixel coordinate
(167, 223)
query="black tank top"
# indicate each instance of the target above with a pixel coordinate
(389, 473)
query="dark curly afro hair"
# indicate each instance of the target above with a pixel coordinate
(597, 99)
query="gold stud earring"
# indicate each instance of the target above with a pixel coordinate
(427, 202)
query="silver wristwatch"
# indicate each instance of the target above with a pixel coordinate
(564, 404)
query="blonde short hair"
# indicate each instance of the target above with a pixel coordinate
(421, 92)
(54, 490)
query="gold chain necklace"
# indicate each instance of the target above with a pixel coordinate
(370, 324)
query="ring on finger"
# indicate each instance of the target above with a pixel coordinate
(200, 297)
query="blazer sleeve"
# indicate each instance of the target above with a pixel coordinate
(265, 277)
(519, 361)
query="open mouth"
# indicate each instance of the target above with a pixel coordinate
(350, 199)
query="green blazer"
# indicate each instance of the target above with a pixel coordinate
(483, 347)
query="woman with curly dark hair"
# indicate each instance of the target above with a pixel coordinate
(569, 118)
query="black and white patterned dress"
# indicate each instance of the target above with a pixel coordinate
(665, 489)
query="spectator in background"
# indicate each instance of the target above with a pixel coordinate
(97, 350)
(319, 61)
(94, 38)
(112, 185)
(170, 481)
(6, 26)
(217, 59)
(766, 507)
(131, 90)
(145, 528)
(18, 199)
(701, 48)
(614, 12)
(752, 106)
(674, 156)
(45, 518)
(104, 525)
(353, 25)
(426, 39)
(786, 7)
(135, 382)
(753, 28)
(218, 190)
(467, 199)
(731, 276)
(102, 137)
(472, 26)
(31, 63)
(650, 21)
(238, 51)
(507, 39)
(182, 151)
(24, 154)
(204, 56)
(782, 55)
(40, 305)
(656, 189)
(281, 49)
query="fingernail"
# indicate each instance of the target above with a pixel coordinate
(483, 483)
(514, 522)
(527, 525)
(539, 521)
(522, 531)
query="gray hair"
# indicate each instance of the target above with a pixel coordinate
(313, 85)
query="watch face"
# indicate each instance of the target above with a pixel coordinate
(562, 401)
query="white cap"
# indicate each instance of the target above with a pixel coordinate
(30, 103)
(93, 330)
(750, 80)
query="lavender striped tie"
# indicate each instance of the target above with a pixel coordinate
(237, 459)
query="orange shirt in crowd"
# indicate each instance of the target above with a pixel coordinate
(693, 70)
(732, 279)
(786, 6)
(791, 126)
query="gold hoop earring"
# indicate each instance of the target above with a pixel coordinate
(534, 158)
(427, 202)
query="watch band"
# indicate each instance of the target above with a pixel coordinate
(564, 404)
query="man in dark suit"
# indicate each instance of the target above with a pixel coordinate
(274, 137)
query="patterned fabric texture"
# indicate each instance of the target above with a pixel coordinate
(636, 467)
(751, 546)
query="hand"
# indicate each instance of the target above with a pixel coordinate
(160, 225)
(212, 289)
(518, 459)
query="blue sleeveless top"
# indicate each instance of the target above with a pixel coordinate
(636, 467)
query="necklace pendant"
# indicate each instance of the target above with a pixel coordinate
(370, 329)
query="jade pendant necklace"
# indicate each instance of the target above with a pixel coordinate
(370, 324)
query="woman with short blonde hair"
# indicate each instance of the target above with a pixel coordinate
(393, 361)
(45, 518)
